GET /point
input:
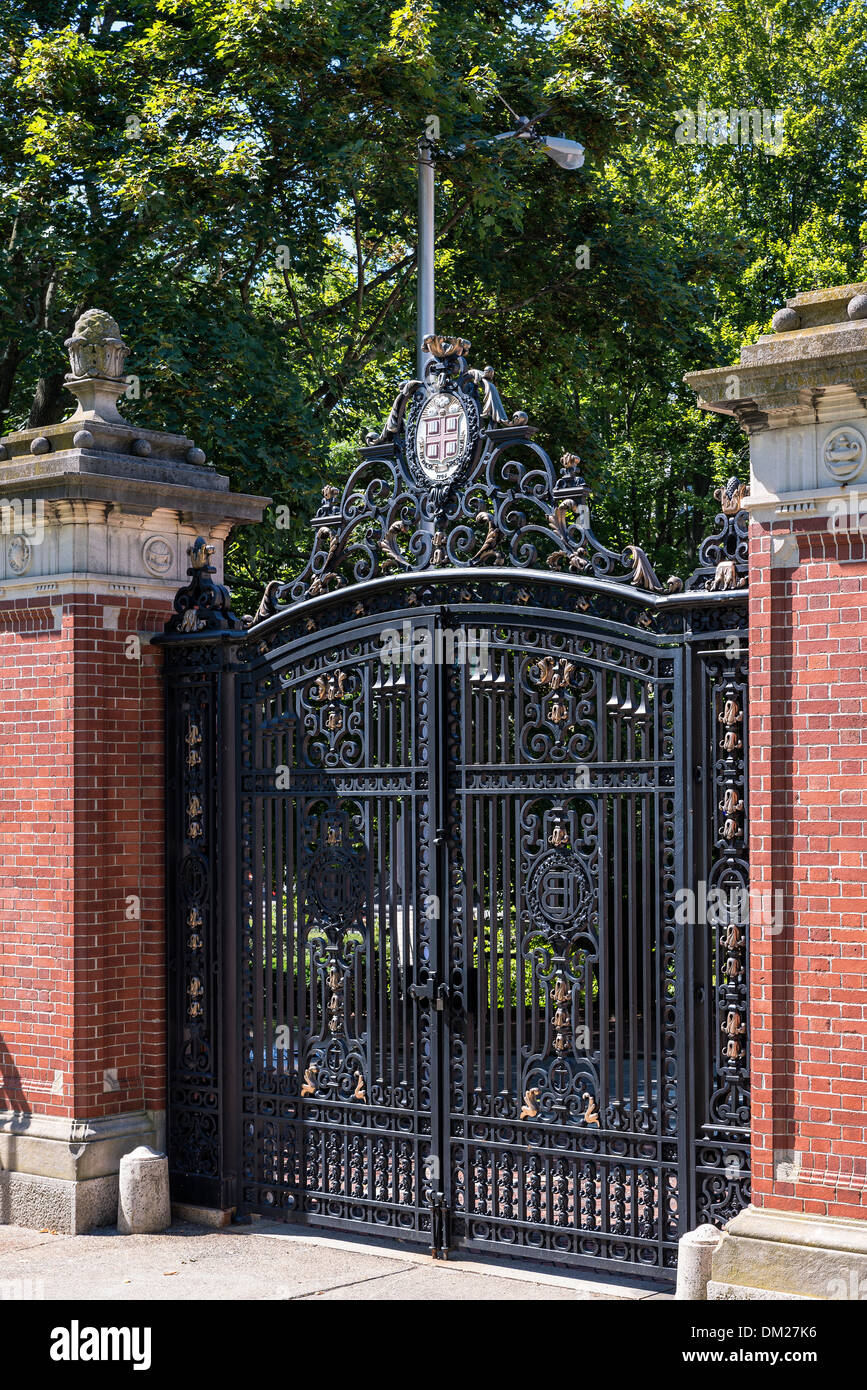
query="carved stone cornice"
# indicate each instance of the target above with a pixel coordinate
(812, 368)
(801, 395)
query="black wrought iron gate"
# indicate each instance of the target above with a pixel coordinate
(458, 867)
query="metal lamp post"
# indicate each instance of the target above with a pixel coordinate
(568, 154)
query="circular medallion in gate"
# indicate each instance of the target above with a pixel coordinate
(559, 893)
(335, 883)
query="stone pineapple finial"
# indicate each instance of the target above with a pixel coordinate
(97, 353)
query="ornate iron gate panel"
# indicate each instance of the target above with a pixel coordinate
(458, 863)
(566, 802)
(338, 861)
(719, 851)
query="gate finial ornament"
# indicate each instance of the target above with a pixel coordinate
(202, 605)
(97, 353)
(442, 347)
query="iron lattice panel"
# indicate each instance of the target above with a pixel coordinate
(337, 1083)
(563, 1070)
(721, 966)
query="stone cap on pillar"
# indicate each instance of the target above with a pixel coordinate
(800, 393)
(144, 494)
(816, 358)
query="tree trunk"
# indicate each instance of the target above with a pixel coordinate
(49, 403)
(8, 368)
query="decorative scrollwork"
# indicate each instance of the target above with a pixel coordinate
(331, 715)
(723, 556)
(452, 480)
(463, 903)
(728, 1109)
(332, 888)
(560, 944)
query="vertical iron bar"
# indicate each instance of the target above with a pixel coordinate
(439, 765)
(683, 873)
(228, 791)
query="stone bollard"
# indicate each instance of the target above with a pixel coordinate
(694, 1257)
(143, 1205)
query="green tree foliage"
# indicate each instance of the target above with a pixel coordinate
(234, 181)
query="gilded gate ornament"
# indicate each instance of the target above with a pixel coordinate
(723, 557)
(202, 605)
(559, 712)
(556, 674)
(332, 718)
(591, 1114)
(529, 1109)
(193, 740)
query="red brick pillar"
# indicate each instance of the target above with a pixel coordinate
(800, 396)
(95, 520)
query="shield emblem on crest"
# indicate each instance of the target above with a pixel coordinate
(441, 437)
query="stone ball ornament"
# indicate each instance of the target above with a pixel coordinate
(196, 457)
(40, 445)
(83, 439)
(857, 307)
(786, 320)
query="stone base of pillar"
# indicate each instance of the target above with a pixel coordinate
(62, 1174)
(215, 1217)
(57, 1204)
(740, 1293)
(781, 1255)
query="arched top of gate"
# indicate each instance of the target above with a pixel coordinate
(452, 482)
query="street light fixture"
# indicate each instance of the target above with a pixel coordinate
(568, 154)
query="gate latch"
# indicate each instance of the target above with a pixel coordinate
(435, 994)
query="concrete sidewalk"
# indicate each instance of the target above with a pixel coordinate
(266, 1260)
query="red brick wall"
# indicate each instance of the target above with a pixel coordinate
(808, 830)
(81, 777)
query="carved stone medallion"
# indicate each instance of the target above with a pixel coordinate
(157, 555)
(19, 554)
(844, 453)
